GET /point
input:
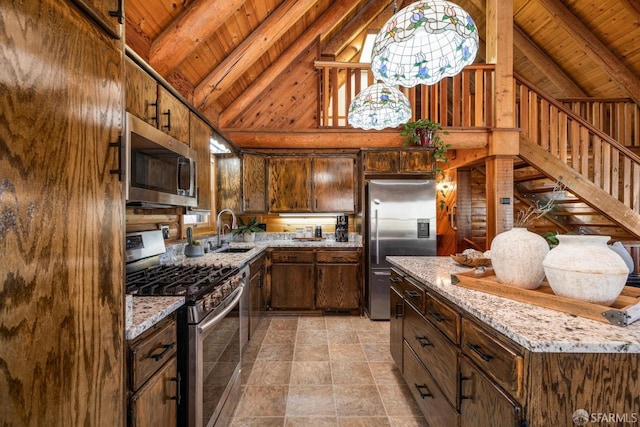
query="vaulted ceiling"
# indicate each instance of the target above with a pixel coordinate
(232, 58)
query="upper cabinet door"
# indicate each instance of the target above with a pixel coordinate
(334, 184)
(254, 183)
(228, 182)
(173, 115)
(290, 184)
(141, 93)
(109, 14)
(200, 133)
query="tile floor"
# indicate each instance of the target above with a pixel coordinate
(323, 371)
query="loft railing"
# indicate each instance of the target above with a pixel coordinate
(595, 155)
(465, 100)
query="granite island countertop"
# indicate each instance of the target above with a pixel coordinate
(536, 328)
(149, 310)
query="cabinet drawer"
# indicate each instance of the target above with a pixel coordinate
(397, 281)
(338, 256)
(414, 293)
(434, 350)
(446, 319)
(292, 256)
(151, 350)
(496, 358)
(256, 265)
(430, 399)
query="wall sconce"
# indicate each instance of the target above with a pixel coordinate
(445, 186)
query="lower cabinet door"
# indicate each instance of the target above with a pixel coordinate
(396, 311)
(337, 286)
(484, 404)
(292, 286)
(434, 406)
(155, 404)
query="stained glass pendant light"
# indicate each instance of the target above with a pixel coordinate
(424, 43)
(379, 106)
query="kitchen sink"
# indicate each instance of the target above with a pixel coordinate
(232, 250)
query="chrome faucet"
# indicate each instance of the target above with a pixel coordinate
(219, 224)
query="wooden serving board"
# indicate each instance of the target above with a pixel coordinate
(624, 311)
(309, 239)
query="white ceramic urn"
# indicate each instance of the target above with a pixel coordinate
(585, 268)
(516, 258)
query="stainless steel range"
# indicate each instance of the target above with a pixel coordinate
(208, 326)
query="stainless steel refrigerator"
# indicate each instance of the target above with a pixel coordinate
(400, 220)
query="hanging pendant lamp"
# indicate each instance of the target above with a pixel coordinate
(379, 106)
(424, 43)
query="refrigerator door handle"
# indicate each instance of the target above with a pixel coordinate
(377, 242)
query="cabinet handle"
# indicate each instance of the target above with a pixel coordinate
(165, 350)
(412, 294)
(463, 396)
(168, 125)
(117, 13)
(155, 114)
(436, 316)
(476, 349)
(120, 171)
(424, 342)
(178, 396)
(399, 310)
(395, 280)
(453, 219)
(419, 387)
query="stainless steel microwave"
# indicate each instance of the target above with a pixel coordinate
(160, 170)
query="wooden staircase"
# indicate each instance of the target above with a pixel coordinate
(601, 177)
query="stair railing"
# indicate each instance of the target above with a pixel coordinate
(595, 155)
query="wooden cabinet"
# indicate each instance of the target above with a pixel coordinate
(303, 184)
(323, 280)
(153, 103)
(292, 280)
(256, 292)
(199, 135)
(108, 14)
(337, 284)
(228, 180)
(398, 161)
(290, 184)
(333, 184)
(395, 324)
(254, 183)
(153, 377)
(482, 403)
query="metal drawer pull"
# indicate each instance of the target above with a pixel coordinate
(463, 396)
(177, 397)
(424, 342)
(396, 280)
(412, 294)
(437, 316)
(423, 386)
(476, 349)
(160, 355)
(399, 310)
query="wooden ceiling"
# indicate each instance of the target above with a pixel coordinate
(249, 63)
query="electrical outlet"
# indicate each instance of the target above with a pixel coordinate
(165, 231)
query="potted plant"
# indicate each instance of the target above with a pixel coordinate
(247, 230)
(426, 133)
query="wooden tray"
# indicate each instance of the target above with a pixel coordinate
(309, 239)
(624, 311)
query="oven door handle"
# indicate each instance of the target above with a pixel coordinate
(202, 328)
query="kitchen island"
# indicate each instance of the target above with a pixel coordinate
(472, 358)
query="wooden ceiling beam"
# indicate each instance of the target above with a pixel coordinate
(323, 25)
(249, 51)
(355, 26)
(199, 21)
(547, 65)
(344, 138)
(594, 48)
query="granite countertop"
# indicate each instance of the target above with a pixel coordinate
(148, 310)
(536, 328)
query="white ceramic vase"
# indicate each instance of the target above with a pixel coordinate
(248, 237)
(585, 268)
(516, 257)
